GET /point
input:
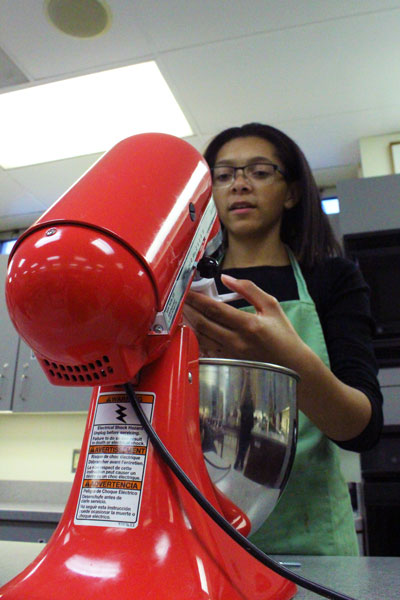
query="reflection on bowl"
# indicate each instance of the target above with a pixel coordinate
(248, 423)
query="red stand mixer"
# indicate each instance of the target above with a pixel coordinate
(95, 287)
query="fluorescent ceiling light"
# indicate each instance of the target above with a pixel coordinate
(86, 115)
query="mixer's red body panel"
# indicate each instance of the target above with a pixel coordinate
(86, 281)
(175, 551)
(84, 286)
(140, 194)
(67, 287)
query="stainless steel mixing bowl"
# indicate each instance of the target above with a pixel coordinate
(248, 422)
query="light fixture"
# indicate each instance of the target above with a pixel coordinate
(79, 18)
(86, 114)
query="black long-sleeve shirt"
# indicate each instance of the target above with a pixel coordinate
(341, 298)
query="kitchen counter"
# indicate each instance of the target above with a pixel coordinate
(33, 497)
(363, 578)
(30, 511)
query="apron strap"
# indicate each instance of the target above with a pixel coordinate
(302, 290)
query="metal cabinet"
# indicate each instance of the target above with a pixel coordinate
(389, 380)
(379, 199)
(381, 490)
(34, 393)
(9, 343)
(23, 385)
(29, 530)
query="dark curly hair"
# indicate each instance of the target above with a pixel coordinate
(305, 227)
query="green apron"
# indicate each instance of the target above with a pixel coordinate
(314, 514)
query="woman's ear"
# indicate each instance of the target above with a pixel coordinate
(292, 196)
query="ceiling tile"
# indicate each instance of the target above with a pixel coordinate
(47, 53)
(15, 199)
(298, 74)
(10, 74)
(48, 181)
(184, 23)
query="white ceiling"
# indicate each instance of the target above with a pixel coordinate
(327, 72)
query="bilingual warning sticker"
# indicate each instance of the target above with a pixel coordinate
(115, 463)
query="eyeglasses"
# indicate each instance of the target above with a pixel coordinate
(224, 175)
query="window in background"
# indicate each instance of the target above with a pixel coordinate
(6, 246)
(330, 206)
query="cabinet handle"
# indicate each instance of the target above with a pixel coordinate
(24, 383)
(3, 380)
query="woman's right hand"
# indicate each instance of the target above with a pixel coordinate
(222, 330)
(340, 411)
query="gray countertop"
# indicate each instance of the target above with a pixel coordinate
(32, 500)
(363, 578)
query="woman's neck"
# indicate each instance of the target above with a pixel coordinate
(255, 253)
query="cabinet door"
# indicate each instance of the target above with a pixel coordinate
(9, 342)
(389, 380)
(26, 531)
(34, 393)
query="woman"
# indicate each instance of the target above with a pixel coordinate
(305, 308)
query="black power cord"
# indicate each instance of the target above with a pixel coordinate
(217, 517)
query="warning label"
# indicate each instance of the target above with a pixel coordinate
(115, 463)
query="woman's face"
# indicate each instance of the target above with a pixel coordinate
(251, 207)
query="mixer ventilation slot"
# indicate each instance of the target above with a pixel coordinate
(93, 372)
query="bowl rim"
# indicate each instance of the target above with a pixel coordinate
(233, 362)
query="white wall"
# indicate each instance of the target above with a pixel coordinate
(376, 157)
(38, 447)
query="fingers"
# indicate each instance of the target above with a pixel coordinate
(223, 330)
(208, 321)
(210, 308)
(207, 311)
(255, 296)
(216, 325)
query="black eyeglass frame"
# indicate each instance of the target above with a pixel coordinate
(244, 167)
